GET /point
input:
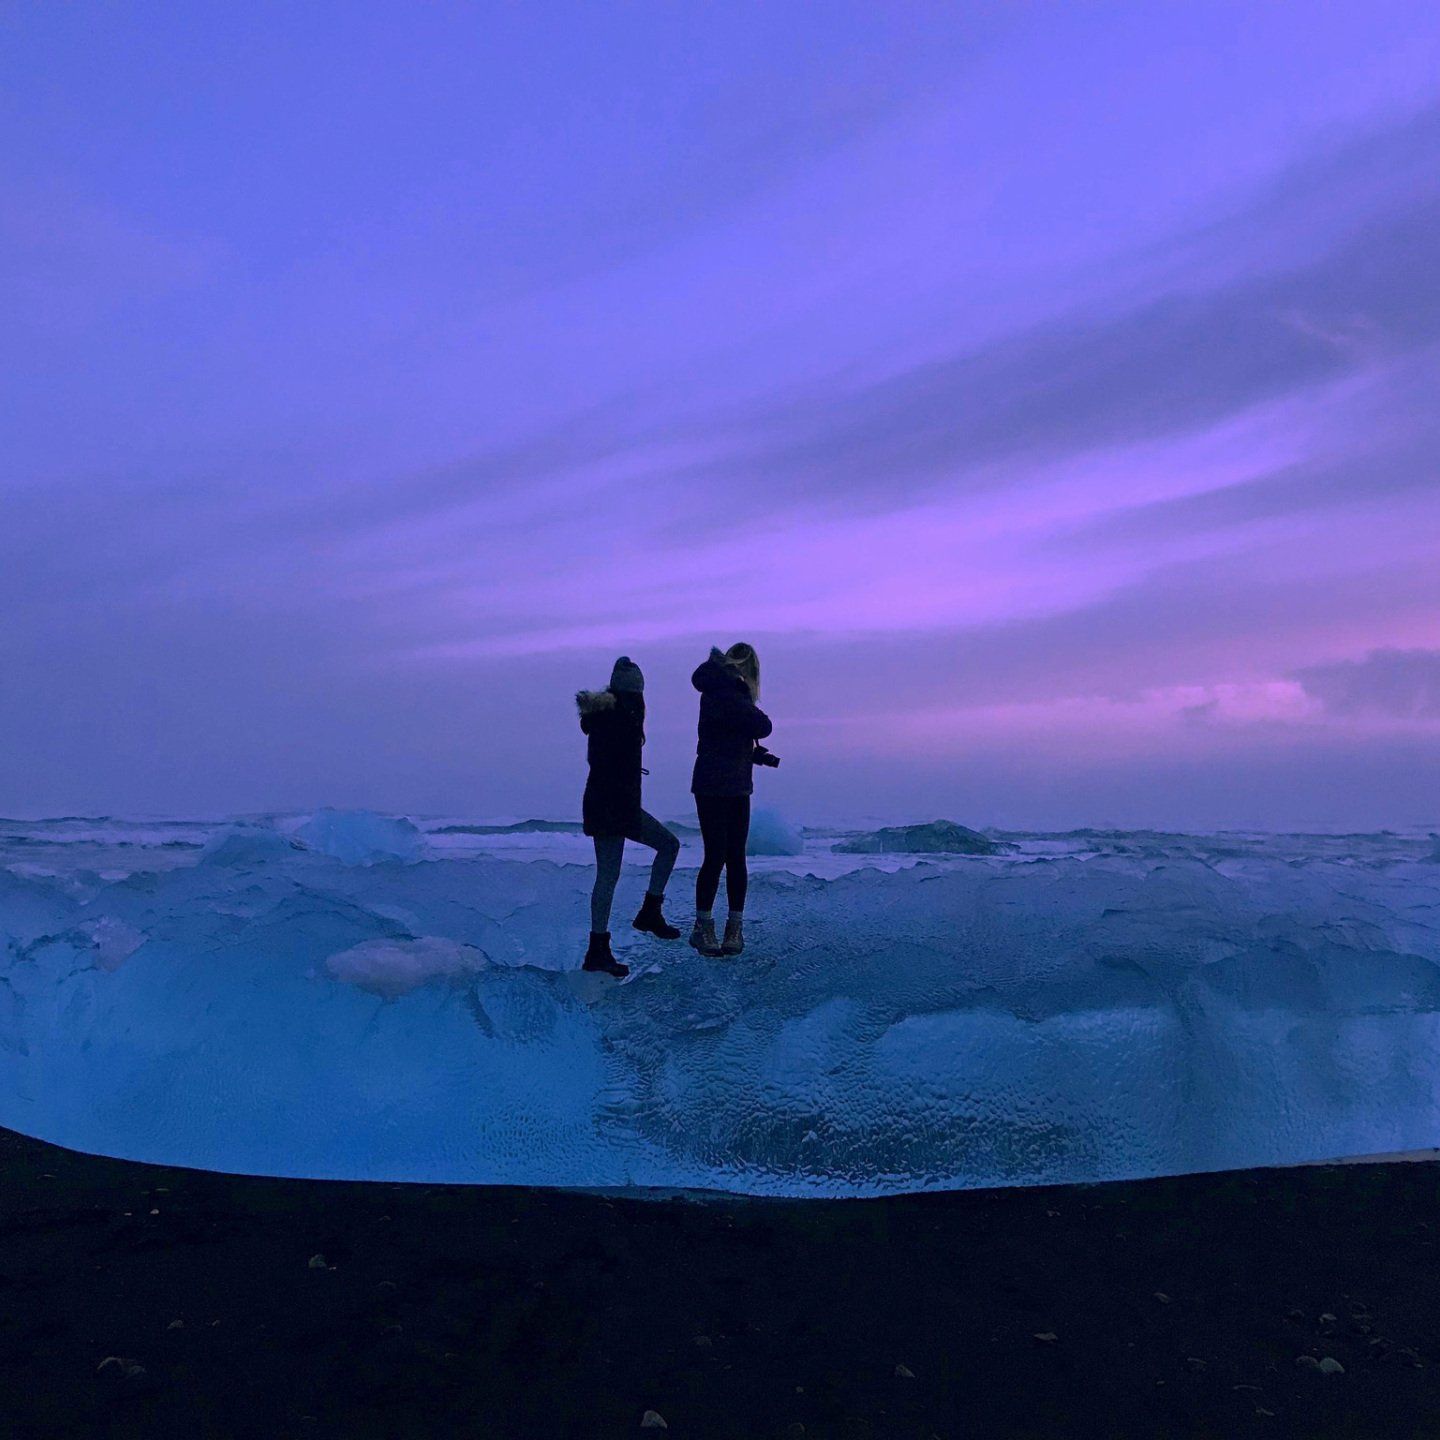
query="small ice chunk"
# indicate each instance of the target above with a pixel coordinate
(360, 837)
(245, 845)
(772, 834)
(391, 968)
(114, 941)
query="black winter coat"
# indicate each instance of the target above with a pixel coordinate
(616, 727)
(730, 724)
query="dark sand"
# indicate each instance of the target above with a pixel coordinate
(444, 1311)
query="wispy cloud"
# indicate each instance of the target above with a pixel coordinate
(1000, 416)
(1396, 684)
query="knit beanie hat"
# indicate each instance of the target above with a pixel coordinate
(626, 676)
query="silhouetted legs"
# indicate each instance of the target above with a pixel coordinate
(724, 827)
(610, 852)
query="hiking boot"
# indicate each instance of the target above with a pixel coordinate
(734, 941)
(704, 939)
(652, 921)
(599, 958)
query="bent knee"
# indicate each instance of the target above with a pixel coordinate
(670, 845)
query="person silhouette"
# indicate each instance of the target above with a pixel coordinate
(613, 721)
(726, 752)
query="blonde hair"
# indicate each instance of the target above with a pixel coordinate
(747, 662)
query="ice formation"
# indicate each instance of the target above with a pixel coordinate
(243, 845)
(938, 837)
(1070, 1012)
(360, 837)
(392, 968)
(772, 834)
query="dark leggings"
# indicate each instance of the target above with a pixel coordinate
(610, 851)
(725, 827)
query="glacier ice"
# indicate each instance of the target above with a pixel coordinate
(1137, 1008)
(938, 837)
(392, 968)
(112, 941)
(360, 837)
(772, 834)
(243, 845)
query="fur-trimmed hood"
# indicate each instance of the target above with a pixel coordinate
(614, 728)
(592, 702)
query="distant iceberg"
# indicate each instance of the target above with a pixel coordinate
(1028, 1020)
(939, 837)
(247, 845)
(360, 837)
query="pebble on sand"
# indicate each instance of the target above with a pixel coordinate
(904, 1372)
(117, 1364)
(653, 1420)
(317, 1262)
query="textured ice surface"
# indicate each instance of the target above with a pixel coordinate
(1096, 1006)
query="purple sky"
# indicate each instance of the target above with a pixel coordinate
(1048, 391)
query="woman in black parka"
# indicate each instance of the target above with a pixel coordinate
(613, 719)
(726, 753)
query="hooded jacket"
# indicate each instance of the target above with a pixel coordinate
(730, 725)
(615, 725)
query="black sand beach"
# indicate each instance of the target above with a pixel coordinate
(1162, 1308)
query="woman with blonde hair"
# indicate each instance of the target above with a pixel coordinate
(731, 726)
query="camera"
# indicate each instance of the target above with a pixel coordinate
(764, 757)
